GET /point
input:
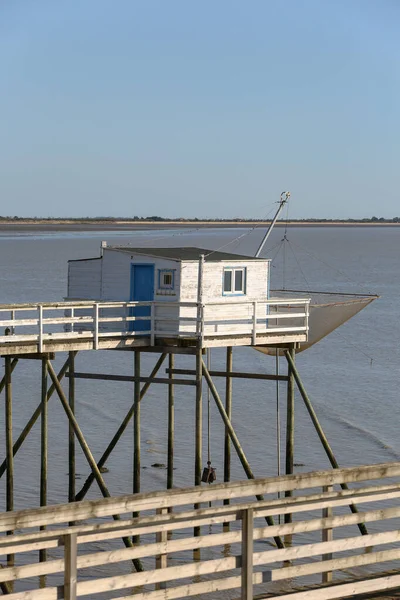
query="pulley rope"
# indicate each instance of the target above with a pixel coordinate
(278, 423)
(208, 408)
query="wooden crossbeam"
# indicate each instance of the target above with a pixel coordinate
(231, 374)
(132, 378)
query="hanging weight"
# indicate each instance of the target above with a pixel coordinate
(209, 474)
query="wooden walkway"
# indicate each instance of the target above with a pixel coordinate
(88, 325)
(178, 551)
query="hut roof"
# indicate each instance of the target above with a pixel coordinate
(186, 253)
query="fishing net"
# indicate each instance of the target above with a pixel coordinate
(327, 312)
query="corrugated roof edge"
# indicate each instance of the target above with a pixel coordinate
(189, 253)
(81, 259)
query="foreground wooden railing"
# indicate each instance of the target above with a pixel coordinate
(234, 552)
(43, 323)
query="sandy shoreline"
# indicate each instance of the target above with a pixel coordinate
(66, 225)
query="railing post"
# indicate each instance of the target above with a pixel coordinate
(72, 316)
(96, 326)
(152, 324)
(70, 566)
(200, 321)
(247, 554)
(161, 559)
(254, 323)
(40, 323)
(307, 316)
(327, 536)
(12, 315)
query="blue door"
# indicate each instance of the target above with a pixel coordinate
(142, 290)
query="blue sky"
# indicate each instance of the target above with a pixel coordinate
(208, 109)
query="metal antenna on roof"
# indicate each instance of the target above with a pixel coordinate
(284, 198)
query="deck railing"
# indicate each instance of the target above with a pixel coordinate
(48, 322)
(234, 551)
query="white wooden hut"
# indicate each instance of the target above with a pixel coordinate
(171, 283)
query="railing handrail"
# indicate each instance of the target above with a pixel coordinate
(164, 522)
(120, 303)
(202, 323)
(188, 496)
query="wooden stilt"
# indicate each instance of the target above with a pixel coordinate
(82, 493)
(290, 426)
(171, 427)
(86, 450)
(136, 436)
(22, 437)
(136, 428)
(228, 410)
(43, 454)
(320, 431)
(71, 435)
(9, 448)
(235, 441)
(14, 363)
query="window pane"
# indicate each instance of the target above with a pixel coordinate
(166, 279)
(227, 281)
(239, 281)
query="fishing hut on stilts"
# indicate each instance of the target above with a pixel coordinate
(168, 302)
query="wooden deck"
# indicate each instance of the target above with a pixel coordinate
(87, 325)
(235, 550)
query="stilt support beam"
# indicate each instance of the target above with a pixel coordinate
(43, 448)
(290, 425)
(171, 427)
(71, 435)
(9, 447)
(228, 410)
(136, 427)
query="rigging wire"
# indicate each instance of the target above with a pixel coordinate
(345, 339)
(284, 240)
(246, 233)
(170, 235)
(299, 265)
(338, 271)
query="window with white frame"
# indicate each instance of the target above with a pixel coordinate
(234, 280)
(166, 279)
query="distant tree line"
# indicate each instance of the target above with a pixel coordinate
(194, 219)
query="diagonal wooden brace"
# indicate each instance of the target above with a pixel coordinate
(86, 486)
(24, 433)
(86, 450)
(235, 442)
(320, 431)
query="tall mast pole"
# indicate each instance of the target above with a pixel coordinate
(284, 198)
